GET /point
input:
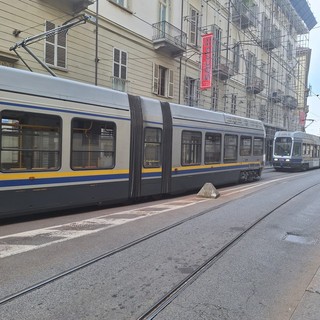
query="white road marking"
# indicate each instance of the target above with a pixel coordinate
(258, 184)
(22, 242)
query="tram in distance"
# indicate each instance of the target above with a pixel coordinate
(295, 151)
(67, 144)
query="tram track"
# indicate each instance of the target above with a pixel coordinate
(108, 254)
(164, 301)
(169, 297)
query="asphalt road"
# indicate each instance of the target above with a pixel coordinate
(263, 275)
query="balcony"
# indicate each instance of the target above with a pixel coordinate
(270, 38)
(223, 69)
(290, 102)
(276, 96)
(244, 15)
(254, 85)
(120, 84)
(168, 39)
(70, 6)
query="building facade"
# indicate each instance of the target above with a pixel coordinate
(257, 55)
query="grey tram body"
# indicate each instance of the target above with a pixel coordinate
(296, 151)
(25, 190)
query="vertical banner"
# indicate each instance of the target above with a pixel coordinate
(206, 61)
(302, 118)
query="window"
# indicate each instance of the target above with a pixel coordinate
(30, 141)
(282, 146)
(216, 45)
(289, 51)
(162, 81)
(194, 27)
(250, 68)
(215, 97)
(191, 148)
(191, 91)
(93, 144)
(257, 146)
(230, 148)
(249, 109)
(263, 73)
(296, 151)
(233, 103)
(307, 149)
(273, 79)
(152, 148)
(119, 79)
(245, 146)
(212, 152)
(236, 57)
(56, 47)
(164, 10)
(288, 84)
(304, 152)
(122, 3)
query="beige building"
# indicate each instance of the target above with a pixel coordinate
(258, 50)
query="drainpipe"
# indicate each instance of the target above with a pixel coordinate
(180, 63)
(97, 35)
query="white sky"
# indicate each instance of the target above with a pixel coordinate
(314, 73)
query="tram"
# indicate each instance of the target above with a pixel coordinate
(295, 151)
(66, 144)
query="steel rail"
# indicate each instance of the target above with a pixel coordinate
(159, 306)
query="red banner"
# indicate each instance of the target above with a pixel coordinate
(302, 118)
(206, 61)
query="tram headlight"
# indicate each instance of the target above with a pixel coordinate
(287, 160)
(275, 159)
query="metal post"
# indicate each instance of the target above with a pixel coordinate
(97, 41)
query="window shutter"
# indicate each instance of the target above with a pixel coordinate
(170, 84)
(187, 90)
(155, 87)
(50, 42)
(197, 91)
(55, 47)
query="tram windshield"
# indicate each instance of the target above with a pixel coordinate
(282, 146)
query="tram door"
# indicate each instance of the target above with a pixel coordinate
(161, 182)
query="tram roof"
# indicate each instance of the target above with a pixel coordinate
(204, 115)
(15, 80)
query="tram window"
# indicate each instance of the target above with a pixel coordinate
(93, 144)
(311, 150)
(245, 146)
(282, 146)
(152, 148)
(230, 148)
(30, 141)
(257, 146)
(212, 152)
(191, 148)
(304, 149)
(307, 149)
(296, 152)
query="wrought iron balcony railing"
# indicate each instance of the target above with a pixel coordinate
(244, 14)
(223, 68)
(254, 85)
(169, 39)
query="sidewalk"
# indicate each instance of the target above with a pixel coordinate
(309, 306)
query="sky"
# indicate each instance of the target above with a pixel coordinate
(313, 127)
